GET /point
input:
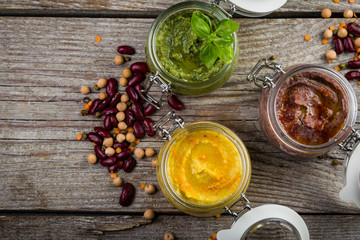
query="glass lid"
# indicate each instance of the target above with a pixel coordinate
(351, 190)
(269, 221)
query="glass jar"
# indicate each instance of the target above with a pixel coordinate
(190, 207)
(269, 118)
(178, 85)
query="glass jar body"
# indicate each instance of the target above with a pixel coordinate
(272, 129)
(179, 201)
(178, 85)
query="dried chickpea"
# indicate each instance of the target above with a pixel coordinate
(120, 116)
(357, 42)
(109, 151)
(130, 137)
(101, 83)
(348, 13)
(122, 125)
(342, 33)
(102, 95)
(123, 82)
(120, 137)
(328, 34)
(169, 236)
(108, 142)
(154, 162)
(326, 13)
(85, 90)
(139, 152)
(149, 214)
(124, 98)
(331, 54)
(117, 181)
(149, 152)
(149, 189)
(121, 106)
(91, 158)
(127, 73)
(119, 59)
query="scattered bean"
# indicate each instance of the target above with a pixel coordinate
(109, 151)
(109, 111)
(91, 158)
(120, 137)
(149, 214)
(101, 83)
(99, 152)
(139, 153)
(352, 75)
(331, 54)
(125, 98)
(102, 95)
(326, 13)
(149, 152)
(121, 106)
(139, 67)
(132, 94)
(104, 104)
(108, 142)
(154, 162)
(123, 82)
(124, 154)
(115, 100)
(130, 137)
(127, 73)
(139, 131)
(342, 32)
(148, 123)
(129, 118)
(357, 42)
(85, 90)
(328, 33)
(149, 189)
(354, 64)
(111, 87)
(138, 111)
(124, 49)
(354, 29)
(107, 123)
(95, 104)
(102, 132)
(149, 109)
(120, 116)
(108, 161)
(349, 44)
(175, 103)
(95, 138)
(348, 13)
(122, 125)
(116, 166)
(117, 181)
(136, 78)
(127, 194)
(129, 164)
(119, 60)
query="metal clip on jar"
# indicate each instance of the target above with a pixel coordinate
(183, 181)
(306, 110)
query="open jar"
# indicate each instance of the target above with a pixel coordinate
(204, 169)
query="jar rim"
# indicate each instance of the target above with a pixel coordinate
(188, 5)
(244, 158)
(349, 95)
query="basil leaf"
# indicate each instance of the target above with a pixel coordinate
(209, 55)
(224, 41)
(204, 17)
(199, 26)
(226, 27)
(225, 53)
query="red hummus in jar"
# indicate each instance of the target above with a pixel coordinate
(311, 108)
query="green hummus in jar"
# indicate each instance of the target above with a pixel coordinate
(178, 49)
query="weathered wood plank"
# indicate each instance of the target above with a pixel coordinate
(157, 6)
(345, 227)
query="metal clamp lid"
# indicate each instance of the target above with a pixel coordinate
(267, 81)
(165, 91)
(244, 200)
(349, 143)
(164, 132)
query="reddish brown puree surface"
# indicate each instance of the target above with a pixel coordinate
(311, 107)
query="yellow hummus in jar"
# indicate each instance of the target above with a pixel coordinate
(204, 167)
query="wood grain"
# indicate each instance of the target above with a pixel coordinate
(126, 227)
(292, 6)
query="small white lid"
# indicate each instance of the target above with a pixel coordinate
(259, 6)
(282, 215)
(351, 190)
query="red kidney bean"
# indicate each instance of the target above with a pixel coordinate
(111, 87)
(132, 94)
(124, 154)
(99, 152)
(139, 67)
(148, 123)
(129, 117)
(107, 123)
(138, 130)
(136, 78)
(138, 87)
(108, 161)
(354, 29)
(116, 166)
(95, 104)
(129, 164)
(137, 110)
(121, 145)
(127, 195)
(352, 75)
(149, 109)
(349, 44)
(124, 49)
(339, 45)
(104, 104)
(109, 111)
(102, 132)
(175, 103)
(354, 64)
(113, 121)
(115, 100)
(95, 138)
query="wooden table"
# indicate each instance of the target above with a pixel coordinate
(48, 190)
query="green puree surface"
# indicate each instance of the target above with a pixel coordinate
(178, 49)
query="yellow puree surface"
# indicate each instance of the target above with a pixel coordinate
(204, 167)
